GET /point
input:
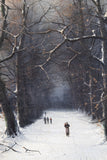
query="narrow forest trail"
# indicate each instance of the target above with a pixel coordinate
(84, 143)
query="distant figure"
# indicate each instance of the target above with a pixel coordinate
(47, 120)
(45, 114)
(51, 120)
(66, 125)
(44, 120)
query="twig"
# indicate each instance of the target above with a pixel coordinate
(9, 148)
(29, 150)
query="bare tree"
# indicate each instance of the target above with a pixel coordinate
(103, 30)
(11, 123)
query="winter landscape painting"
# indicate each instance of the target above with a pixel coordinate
(53, 79)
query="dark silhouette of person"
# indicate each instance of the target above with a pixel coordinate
(66, 125)
(44, 120)
(45, 114)
(47, 120)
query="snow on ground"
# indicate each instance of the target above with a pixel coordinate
(49, 142)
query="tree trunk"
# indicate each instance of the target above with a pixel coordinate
(105, 87)
(103, 31)
(11, 123)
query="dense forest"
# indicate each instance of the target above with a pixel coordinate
(53, 54)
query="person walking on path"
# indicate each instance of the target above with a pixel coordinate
(66, 125)
(44, 120)
(51, 120)
(47, 120)
(45, 114)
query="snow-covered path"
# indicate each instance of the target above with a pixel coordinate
(84, 143)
